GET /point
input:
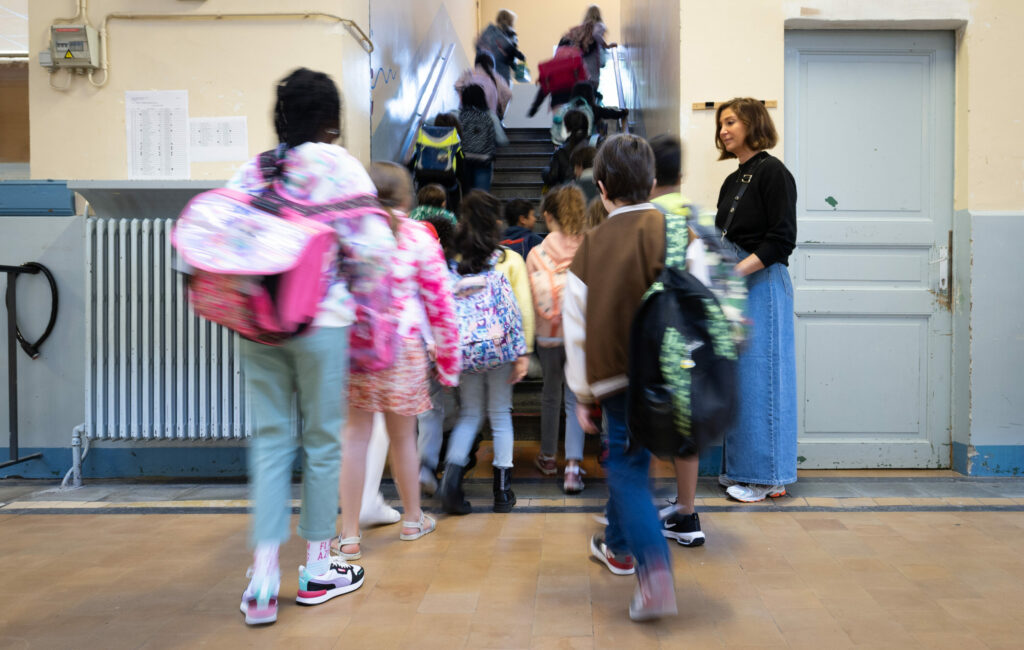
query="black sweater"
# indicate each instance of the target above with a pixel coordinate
(765, 219)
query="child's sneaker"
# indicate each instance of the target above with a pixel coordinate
(573, 483)
(546, 464)
(340, 579)
(754, 493)
(621, 564)
(654, 597)
(259, 600)
(683, 528)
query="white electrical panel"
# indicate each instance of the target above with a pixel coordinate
(74, 46)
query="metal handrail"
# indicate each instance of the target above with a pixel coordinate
(623, 121)
(441, 64)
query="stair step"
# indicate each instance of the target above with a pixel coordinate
(528, 134)
(521, 175)
(520, 160)
(517, 191)
(540, 147)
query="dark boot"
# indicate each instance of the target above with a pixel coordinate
(453, 499)
(504, 497)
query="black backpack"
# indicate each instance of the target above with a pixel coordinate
(682, 360)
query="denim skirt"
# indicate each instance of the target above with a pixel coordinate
(761, 445)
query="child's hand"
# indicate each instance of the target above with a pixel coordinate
(432, 352)
(583, 416)
(519, 368)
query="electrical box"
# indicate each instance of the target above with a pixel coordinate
(74, 46)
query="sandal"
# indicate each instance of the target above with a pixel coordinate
(424, 526)
(345, 541)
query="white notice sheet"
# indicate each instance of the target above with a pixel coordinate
(215, 139)
(157, 123)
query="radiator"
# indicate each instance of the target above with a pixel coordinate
(154, 370)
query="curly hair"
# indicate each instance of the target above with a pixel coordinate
(566, 206)
(308, 103)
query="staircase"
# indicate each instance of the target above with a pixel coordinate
(517, 167)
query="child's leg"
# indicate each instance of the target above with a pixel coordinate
(431, 427)
(373, 510)
(552, 361)
(460, 442)
(686, 482)
(405, 465)
(499, 412)
(353, 473)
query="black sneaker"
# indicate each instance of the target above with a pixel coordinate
(685, 529)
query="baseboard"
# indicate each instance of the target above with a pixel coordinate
(988, 460)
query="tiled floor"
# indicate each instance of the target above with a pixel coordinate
(764, 579)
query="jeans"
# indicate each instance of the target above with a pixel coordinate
(479, 175)
(431, 426)
(633, 524)
(472, 390)
(315, 368)
(552, 361)
(761, 446)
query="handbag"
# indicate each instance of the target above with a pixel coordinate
(522, 73)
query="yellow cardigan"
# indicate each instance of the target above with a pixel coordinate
(514, 268)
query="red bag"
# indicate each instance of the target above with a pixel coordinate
(561, 73)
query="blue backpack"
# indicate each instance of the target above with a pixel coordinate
(490, 323)
(436, 155)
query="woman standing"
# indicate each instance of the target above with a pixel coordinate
(757, 214)
(501, 41)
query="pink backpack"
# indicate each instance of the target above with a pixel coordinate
(547, 283)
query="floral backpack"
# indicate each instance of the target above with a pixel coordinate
(490, 323)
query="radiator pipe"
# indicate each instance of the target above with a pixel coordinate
(75, 473)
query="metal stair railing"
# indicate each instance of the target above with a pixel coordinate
(433, 82)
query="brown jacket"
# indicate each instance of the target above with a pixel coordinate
(613, 268)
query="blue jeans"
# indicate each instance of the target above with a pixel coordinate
(479, 175)
(473, 389)
(633, 524)
(552, 361)
(431, 426)
(315, 368)
(761, 446)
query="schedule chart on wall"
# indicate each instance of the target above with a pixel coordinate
(157, 142)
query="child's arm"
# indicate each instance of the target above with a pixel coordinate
(439, 305)
(514, 268)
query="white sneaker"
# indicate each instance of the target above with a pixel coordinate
(380, 514)
(259, 600)
(725, 481)
(428, 481)
(755, 493)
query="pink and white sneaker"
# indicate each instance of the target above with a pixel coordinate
(259, 600)
(341, 578)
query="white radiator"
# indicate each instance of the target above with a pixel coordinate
(154, 370)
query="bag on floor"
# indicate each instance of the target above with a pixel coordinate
(682, 359)
(490, 323)
(436, 154)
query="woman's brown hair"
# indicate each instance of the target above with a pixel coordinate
(505, 19)
(761, 133)
(394, 189)
(567, 207)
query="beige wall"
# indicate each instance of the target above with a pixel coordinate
(736, 47)
(540, 23)
(228, 67)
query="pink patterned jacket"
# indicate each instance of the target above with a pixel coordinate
(422, 284)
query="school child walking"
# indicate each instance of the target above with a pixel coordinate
(496, 332)
(419, 283)
(312, 366)
(604, 286)
(563, 210)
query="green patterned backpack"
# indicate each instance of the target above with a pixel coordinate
(682, 359)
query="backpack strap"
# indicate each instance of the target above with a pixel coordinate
(744, 183)
(677, 238)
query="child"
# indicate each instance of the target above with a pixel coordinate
(596, 213)
(419, 284)
(482, 135)
(596, 326)
(679, 521)
(582, 162)
(563, 210)
(519, 235)
(432, 200)
(559, 169)
(313, 366)
(476, 244)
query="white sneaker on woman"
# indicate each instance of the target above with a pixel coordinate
(754, 493)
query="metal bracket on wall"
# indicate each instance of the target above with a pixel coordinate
(710, 106)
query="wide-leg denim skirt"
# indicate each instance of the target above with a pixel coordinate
(761, 446)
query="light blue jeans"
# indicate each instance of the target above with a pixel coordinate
(761, 446)
(552, 361)
(314, 368)
(474, 388)
(633, 525)
(430, 426)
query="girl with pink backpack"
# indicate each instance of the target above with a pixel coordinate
(311, 364)
(564, 212)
